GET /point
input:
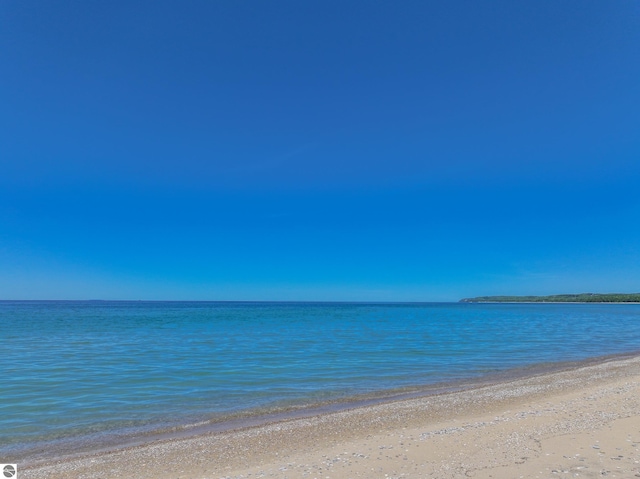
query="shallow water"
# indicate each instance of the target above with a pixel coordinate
(88, 369)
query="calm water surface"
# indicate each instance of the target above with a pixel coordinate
(77, 369)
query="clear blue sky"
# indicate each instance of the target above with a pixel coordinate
(318, 150)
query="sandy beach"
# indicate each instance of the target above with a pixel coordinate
(580, 422)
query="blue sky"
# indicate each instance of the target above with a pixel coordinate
(386, 151)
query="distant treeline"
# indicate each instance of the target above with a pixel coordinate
(559, 298)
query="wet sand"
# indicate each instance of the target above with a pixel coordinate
(582, 422)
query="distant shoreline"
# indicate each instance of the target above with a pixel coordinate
(601, 298)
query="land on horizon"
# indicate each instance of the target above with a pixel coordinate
(560, 298)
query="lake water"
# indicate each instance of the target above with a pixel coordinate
(79, 371)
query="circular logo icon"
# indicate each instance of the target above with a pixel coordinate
(9, 471)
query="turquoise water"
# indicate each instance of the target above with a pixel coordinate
(88, 369)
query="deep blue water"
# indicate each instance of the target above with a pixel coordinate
(75, 369)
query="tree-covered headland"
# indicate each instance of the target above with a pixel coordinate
(560, 298)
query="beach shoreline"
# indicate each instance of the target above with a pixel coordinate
(541, 407)
(113, 440)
